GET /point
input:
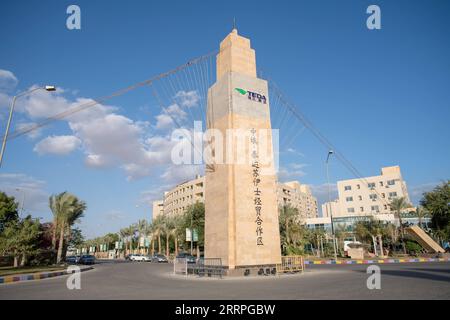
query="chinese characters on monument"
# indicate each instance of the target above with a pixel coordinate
(256, 191)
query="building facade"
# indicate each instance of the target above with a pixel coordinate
(176, 200)
(298, 196)
(371, 195)
(158, 208)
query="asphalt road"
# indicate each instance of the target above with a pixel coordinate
(156, 281)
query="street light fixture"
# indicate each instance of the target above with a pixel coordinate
(330, 152)
(11, 110)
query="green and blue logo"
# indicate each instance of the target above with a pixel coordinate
(252, 95)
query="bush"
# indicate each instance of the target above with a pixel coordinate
(413, 248)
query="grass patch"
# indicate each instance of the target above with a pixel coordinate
(9, 271)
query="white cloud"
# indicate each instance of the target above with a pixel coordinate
(59, 145)
(187, 99)
(321, 192)
(8, 80)
(24, 187)
(34, 134)
(292, 171)
(163, 121)
(416, 192)
(107, 138)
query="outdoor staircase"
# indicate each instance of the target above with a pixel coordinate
(424, 239)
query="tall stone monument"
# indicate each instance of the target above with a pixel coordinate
(241, 216)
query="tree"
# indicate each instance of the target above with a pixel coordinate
(67, 209)
(288, 216)
(141, 225)
(76, 238)
(194, 218)
(398, 205)
(20, 239)
(421, 213)
(8, 210)
(158, 229)
(437, 202)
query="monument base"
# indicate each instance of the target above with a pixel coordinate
(251, 271)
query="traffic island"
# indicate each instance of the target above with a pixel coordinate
(39, 275)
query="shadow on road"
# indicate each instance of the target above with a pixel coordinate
(415, 274)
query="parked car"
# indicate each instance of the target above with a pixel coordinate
(187, 256)
(86, 259)
(139, 257)
(73, 259)
(159, 258)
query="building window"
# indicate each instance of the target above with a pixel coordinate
(362, 209)
(375, 208)
(392, 194)
(358, 186)
(373, 197)
(383, 195)
(360, 198)
(391, 182)
(381, 183)
(348, 199)
(385, 207)
(351, 210)
(348, 188)
(371, 185)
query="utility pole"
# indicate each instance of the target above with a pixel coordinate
(330, 152)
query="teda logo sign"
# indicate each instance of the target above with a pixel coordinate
(252, 95)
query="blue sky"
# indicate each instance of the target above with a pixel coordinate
(381, 96)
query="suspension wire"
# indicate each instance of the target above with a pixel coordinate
(323, 140)
(17, 133)
(155, 93)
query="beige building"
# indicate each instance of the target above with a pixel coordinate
(369, 196)
(330, 208)
(158, 208)
(187, 193)
(299, 196)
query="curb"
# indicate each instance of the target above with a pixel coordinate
(379, 261)
(37, 276)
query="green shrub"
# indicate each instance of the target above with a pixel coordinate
(413, 248)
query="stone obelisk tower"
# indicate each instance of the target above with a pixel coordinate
(241, 216)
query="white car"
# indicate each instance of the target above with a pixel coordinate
(139, 257)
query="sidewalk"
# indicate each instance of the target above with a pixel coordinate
(38, 275)
(379, 261)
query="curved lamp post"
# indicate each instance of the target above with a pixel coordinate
(11, 110)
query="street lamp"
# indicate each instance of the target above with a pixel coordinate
(11, 110)
(330, 152)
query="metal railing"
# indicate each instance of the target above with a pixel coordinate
(291, 264)
(209, 267)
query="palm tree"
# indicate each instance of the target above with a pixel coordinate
(147, 232)
(68, 209)
(288, 216)
(158, 225)
(131, 231)
(398, 205)
(124, 235)
(167, 226)
(421, 213)
(176, 227)
(141, 226)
